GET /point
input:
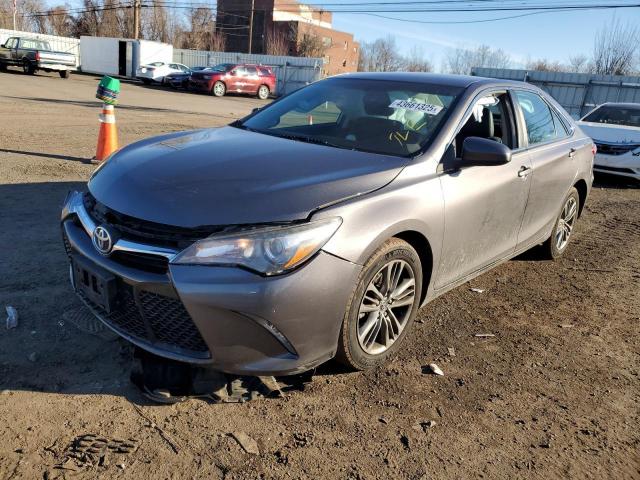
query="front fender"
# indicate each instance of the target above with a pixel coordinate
(413, 202)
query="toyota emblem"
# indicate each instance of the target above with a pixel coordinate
(102, 240)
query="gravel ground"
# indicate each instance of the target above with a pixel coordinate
(555, 394)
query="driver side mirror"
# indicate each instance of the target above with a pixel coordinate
(482, 151)
(233, 73)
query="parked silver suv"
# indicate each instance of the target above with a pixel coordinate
(317, 226)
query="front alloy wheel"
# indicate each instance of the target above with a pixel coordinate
(386, 306)
(382, 306)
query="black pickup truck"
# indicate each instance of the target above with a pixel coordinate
(32, 55)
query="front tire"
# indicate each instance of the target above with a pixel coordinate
(382, 307)
(219, 89)
(557, 243)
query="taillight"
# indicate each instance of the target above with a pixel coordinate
(594, 149)
(37, 55)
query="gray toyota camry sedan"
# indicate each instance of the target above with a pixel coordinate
(317, 226)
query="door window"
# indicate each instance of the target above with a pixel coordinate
(491, 118)
(241, 71)
(11, 43)
(252, 71)
(538, 118)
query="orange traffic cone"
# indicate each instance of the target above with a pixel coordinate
(108, 135)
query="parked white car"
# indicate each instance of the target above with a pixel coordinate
(615, 129)
(157, 71)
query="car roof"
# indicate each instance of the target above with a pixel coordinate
(621, 104)
(463, 81)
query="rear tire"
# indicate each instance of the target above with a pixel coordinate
(27, 67)
(382, 306)
(146, 81)
(64, 73)
(557, 243)
(219, 89)
(3, 67)
(263, 92)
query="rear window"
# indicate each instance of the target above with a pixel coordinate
(34, 44)
(627, 116)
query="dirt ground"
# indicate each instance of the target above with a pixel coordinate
(555, 394)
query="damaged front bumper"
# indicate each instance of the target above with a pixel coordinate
(234, 320)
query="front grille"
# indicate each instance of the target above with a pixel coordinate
(141, 261)
(153, 319)
(144, 231)
(616, 149)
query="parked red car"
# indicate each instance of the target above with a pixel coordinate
(236, 78)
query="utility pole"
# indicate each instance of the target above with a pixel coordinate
(15, 10)
(136, 19)
(251, 26)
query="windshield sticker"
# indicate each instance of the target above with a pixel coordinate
(416, 107)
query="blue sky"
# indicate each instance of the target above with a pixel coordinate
(556, 35)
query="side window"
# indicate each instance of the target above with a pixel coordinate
(324, 114)
(11, 43)
(241, 71)
(561, 129)
(538, 118)
(491, 118)
(251, 71)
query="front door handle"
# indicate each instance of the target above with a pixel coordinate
(572, 152)
(524, 171)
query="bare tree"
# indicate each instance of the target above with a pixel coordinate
(580, 63)
(311, 44)
(59, 21)
(461, 60)
(545, 65)
(416, 61)
(277, 42)
(615, 49)
(380, 56)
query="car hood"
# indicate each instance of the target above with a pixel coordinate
(602, 132)
(230, 176)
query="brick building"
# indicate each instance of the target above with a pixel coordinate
(283, 18)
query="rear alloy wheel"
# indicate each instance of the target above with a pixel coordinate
(219, 89)
(263, 92)
(27, 67)
(64, 73)
(382, 307)
(557, 243)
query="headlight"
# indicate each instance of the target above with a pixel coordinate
(269, 250)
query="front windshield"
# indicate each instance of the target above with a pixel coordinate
(628, 116)
(379, 116)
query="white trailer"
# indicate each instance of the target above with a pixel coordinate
(120, 56)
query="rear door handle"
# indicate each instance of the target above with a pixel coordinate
(572, 152)
(524, 171)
